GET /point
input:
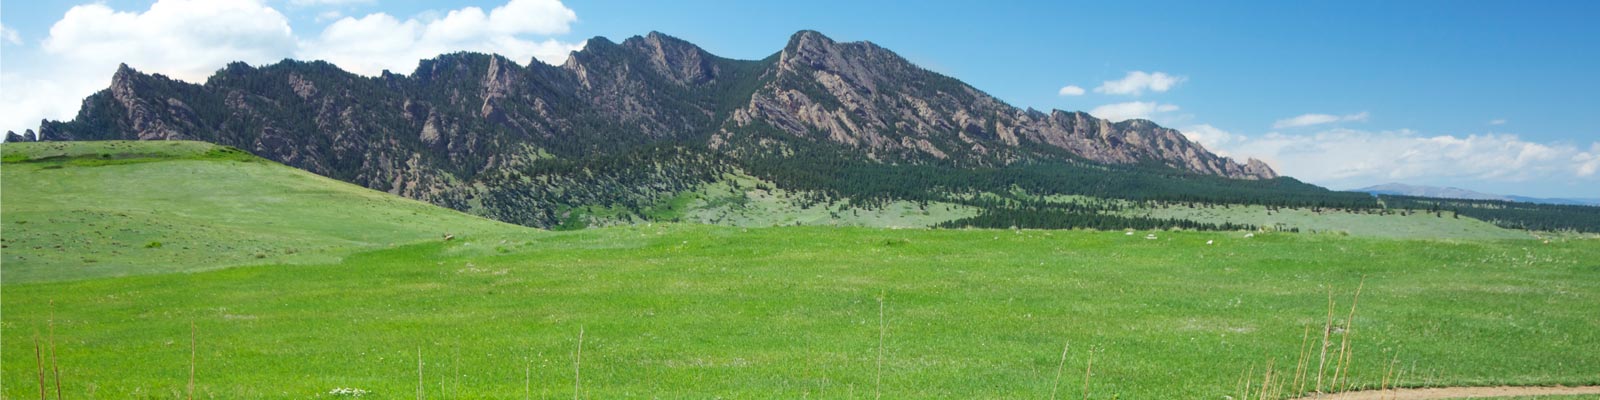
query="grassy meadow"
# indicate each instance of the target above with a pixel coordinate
(701, 311)
(79, 210)
(697, 311)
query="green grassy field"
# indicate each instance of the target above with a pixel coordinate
(1412, 225)
(696, 311)
(94, 209)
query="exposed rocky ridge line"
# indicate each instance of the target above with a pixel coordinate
(480, 132)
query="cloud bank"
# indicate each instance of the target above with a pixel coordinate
(1346, 158)
(1119, 112)
(191, 39)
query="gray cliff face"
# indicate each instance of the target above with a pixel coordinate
(863, 96)
(480, 132)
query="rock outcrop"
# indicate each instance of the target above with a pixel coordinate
(481, 133)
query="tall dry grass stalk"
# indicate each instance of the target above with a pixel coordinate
(1266, 381)
(527, 380)
(1388, 372)
(455, 375)
(38, 362)
(1088, 370)
(877, 380)
(55, 369)
(577, 367)
(419, 372)
(1055, 387)
(191, 359)
(1298, 385)
(1242, 385)
(1250, 381)
(1342, 372)
(1327, 329)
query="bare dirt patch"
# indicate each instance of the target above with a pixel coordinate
(1458, 393)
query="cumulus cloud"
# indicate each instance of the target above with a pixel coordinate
(9, 35)
(1119, 112)
(187, 39)
(1136, 82)
(1353, 158)
(191, 39)
(1587, 163)
(1318, 119)
(1213, 138)
(1070, 90)
(376, 42)
(310, 3)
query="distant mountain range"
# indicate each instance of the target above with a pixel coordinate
(1459, 193)
(622, 129)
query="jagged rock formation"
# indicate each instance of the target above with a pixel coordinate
(862, 95)
(520, 143)
(26, 136)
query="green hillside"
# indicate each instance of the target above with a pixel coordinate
(296, 285)
(77, 210)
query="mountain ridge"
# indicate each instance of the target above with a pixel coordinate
(1395, 188)
(479, 132)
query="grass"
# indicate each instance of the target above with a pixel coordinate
(745, 201)
(1413, 225)
(696, 311)
(81, 210)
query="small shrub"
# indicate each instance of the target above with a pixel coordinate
(152, 245)
(896, 242)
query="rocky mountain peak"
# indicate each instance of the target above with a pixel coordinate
(124, 72)
(682, 62)
(814, 50)
(1260, 169)
(462, 121)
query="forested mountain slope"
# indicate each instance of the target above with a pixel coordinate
(628, 126)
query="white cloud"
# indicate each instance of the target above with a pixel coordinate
(1497, 121)
(1212, 138)
(191, 39)
(1587, 163)
(375, 42)
(1355, 158)
(1318, 119)
(1070, 90)
(1136, 82)
(1119, 112)
(313, 3)
(9, 35)
(187, 39)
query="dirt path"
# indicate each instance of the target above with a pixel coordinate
(1457, 393)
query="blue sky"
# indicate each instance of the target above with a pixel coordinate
(1490, 96)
